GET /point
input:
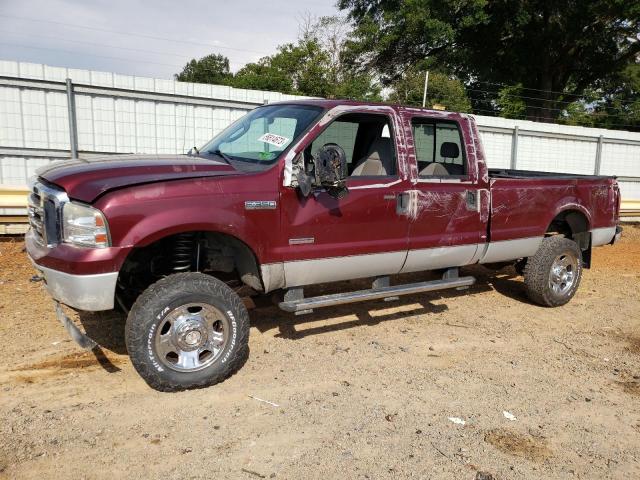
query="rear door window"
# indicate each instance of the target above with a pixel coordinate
(439, 148)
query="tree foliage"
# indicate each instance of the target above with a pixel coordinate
(213, 68)
(297, 68)
(315, 66)
(510, 102)
(620, 104)
(442, 90)
(552, 49)
(573, 62)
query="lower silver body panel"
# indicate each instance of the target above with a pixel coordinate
(314, 271)
(83, 292)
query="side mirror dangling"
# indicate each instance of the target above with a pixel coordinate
(331, 170)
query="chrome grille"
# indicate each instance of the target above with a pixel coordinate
(36, 216)
(45, 213)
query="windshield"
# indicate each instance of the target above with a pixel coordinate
(262, 134)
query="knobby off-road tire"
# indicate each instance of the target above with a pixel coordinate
(187, 330)
(553, 274)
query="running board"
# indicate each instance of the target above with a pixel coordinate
(304, 305)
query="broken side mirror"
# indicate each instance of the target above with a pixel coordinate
(331, 170)
(327, 169)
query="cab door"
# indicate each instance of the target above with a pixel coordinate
(446, 227)
(325, 239)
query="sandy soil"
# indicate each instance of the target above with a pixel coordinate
(362, 391)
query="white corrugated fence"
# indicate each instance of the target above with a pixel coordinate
(125, 114)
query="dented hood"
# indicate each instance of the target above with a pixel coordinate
(87, 179)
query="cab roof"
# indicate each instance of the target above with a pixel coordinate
(328, 104)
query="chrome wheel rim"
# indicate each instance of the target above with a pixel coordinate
(564, 271)
(191, 337)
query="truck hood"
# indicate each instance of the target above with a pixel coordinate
(87, 179)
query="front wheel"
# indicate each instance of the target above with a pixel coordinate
(187, 330)
(553, 274)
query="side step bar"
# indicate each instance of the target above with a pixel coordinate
(305, 305)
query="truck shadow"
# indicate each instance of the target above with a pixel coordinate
(504, 281)
(267, 316)
(107, 328)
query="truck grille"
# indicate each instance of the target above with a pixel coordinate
(45, 213)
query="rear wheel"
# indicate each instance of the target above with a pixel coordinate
(187, 330)
(553, 274)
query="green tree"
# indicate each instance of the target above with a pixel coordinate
(442, 90)
(620, 106)
(331, 33)
(261, 76)
(213, 68)
(313, 66)
(296, 68)
(614, 104)
(553, 49)
(510, 102)
(319, 64)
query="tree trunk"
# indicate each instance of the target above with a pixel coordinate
(541, 100)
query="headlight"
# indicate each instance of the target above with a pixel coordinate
(84, 226)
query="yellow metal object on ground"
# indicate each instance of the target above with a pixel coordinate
(13, 197)
(630, 208)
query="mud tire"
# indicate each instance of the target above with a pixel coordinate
(159, 300)
(538, 274)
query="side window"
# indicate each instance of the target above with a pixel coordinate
(448, 133)
(342, 133)
(367, 142)
(439, 148)
(424, 139)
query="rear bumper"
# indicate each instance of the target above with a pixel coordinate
(605, 235)
(83, 292)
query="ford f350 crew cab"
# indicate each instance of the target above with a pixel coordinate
(295, 194)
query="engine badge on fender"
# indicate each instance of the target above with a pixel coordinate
(260, 205)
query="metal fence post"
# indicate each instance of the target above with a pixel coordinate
(73, 125)
(596, 169)
(514, 148)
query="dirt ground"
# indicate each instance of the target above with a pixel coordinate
(360, 391)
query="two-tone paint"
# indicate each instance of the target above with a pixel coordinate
(299, 241)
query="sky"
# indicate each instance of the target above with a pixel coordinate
(152, 38)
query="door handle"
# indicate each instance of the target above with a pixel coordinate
(402, 203)
(471, 197)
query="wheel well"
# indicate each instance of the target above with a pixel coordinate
(573, 224)
(569, 223)
(218, 254)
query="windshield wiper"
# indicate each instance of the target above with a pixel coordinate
(224, 156)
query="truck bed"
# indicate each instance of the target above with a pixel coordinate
(523, 203)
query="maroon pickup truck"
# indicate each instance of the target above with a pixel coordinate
(295, 194)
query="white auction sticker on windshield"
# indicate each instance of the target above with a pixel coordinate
(273, 139)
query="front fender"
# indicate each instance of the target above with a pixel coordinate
(137, 220)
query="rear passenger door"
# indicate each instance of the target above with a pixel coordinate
(445, 227)
(326, 239)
